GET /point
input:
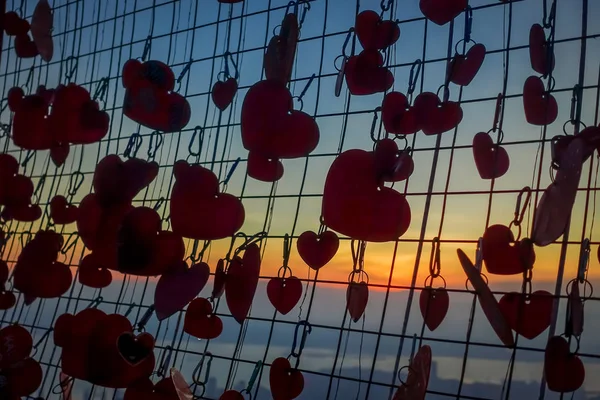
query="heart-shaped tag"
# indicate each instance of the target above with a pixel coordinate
(281, 51)
(231, 395)
(417, 381)
(538, 51)
(41, 29)
(15, 25)
(491, 159)
(442, 11)
(286, 383)
(434, 304)
(397, 115)
(264, 169)
(366, 75)
(464, 67)
(375, 34)
(224, 92)
(317, 250)
(92, 273)
(357, 297)
(564, 371)
(434, 116)
(25, 46)
(135, 349)
(61, 211)
(528, 317)
(30, 128)
(502, 255)
(284, 293)
(242, 279)
(15, 345)
(59, 153)
(200, 321)
(22, 379)
(178, 286)
(540, 106)
(391, 164)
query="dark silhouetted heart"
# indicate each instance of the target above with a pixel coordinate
(487, 301)
(61, 211)
(42, 22)
(435, 117)
(271, 127)
(200, 321)
(434, 304)
(491, 159)
(442, 11)
(538, 51)
(375, 34)
(219, 281)
(284, 293)
(554, 208)
(366, 75)
(134, 349)
(22, 213)
(59, 153)
(417, 381)
(286, 383)
(264, 169)
(317, 250)
(397, 115)
(15, 345)
(352, 184)
(502, 255)
(154, 72)
(391, 164)
(25, 47)
(93, 273)
(242, 279)
(281, 51)
(146, 390)
(22, 379)
(564, 371)
(224, 92)
(357, 297)
(15, 25)
(198, 209)
(541, 107)
(7, 300)
(528, 318)
(232, 395)
(30, 124)
(463, 68)
(178, 286)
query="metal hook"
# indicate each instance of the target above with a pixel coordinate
(415, 72)
(584, 260)
(499, 104)
(468, 23)
(435, 263)
(183, 73)
(96, 302)
(253, 377)
(575, 100)
(306, 330)
(548, 20)
(101, 90)
(197, 256)
(165, 360)
(385, 7)
(70, 243)
(479, 255)
(310, 81)
(198, 132)
(250, 240)
(231, 171)
(229, 58)
(520, 211)
(374, 125)
(358, 256)
(147, 47)
(75, 182)
(141, 325)
(154, 147)
(196, 375)
(72, 63)
(134, 144)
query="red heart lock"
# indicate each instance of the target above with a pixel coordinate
(357, 297)
(491, 159)
(271, 127)
(397, 115)
(281, 51)
(135, 349)
(464, 67)
(434, 304)
(529, 317)
(59, 153)
(179, 286)
(564, 371)
(351, 185)
(198, 210)
(19, 190)
(242, 279)
(286, 382)
(442, 11)
(200, 321)
(146, 390)
(92, 273)
(541, 107)
(284, 293)
(502, 255)
(116, 181)
(42, 22)
(22, 213)
(538, 51)
(21, 379)
(366, 75)
(375, 34)
(30, 126)
(155, 72)
(98, 226)
(391, 164)
(231, 395)
(15, 345)
(417, 381)
(9, 167)
(264, 169)
(25, 46)
(219, 281)
(223, 93)
(15, 25)
(317, 250)
(434, 116)
(61, 211)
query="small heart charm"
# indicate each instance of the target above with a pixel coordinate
(541, 107)
(491, 159)
(224, 92)
(93, 273)
(264, 169)
(178, 286)
(397, 115)
(442, 11)
(135, 350)
(375, 34)
(317, 250)
(61, 211)
(357, 297)
(434, 116)
(541, 62)
(502, 255)
(564, 371)
(528, 317)
(284, 293)
(434, 304)
(200, 321)
(59, 153)
(286, 383)
(464, 67)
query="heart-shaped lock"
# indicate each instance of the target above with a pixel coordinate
(564, 371)
(357, 297)
(502, 255)
(317, 250)
(491, 159)
(434, 304)
(417, 381)
(21, 379)
(540, 106)
(434, 116)
(375, 34)
(284, 293)
(25, 47)
(61, 211)
(242, 279)
(179, 286)
(59, 153)
(15, 25)
(442, 11)
(223, 93)
(135, 349)
(30, 128)
(529, 316)
(264, 169)
(365, 74)
(392, 165)
(464, 67)
(42, 22)
(286, 382)
(15, 345)
(93, 273)
(397, 115)
(200, 321)
(541, 61)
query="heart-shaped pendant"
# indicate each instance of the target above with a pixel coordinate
(317, 250)
(434, 304)
(284, 293)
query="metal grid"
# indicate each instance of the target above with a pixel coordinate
(341, 359)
